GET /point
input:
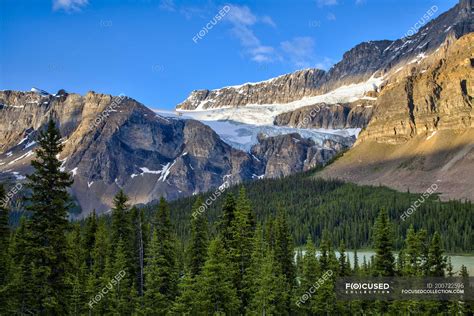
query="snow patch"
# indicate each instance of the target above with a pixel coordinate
(432, 134)
(74, 172)
(264, 114)
(21, 157)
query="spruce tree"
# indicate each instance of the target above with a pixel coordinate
(241, 245)
(49, 204)
(309, 277)
(226, 219)
(199, 240)
(384, 262)
(155, 301)
(412, 253)
(161, 275)
(4, 253)
(90, 229)
(122, 282)
(436, 260)
(217, 294)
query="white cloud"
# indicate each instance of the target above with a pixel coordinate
(268, 20)
(327, 2)
(299, 51)
(331, 17)
(168, 5)
(69, 5)
(324, 64)
(243, 20)
(360, 2)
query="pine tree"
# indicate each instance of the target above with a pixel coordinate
(384, 261)
(20, 294)
(155, 302)
(226, 219)
(90, 229)
(241, 245)
(161, 275)
(101, 258)
(269, 294)
(77, 271)
(216, 292)
(284, 248)
(436, 260)
(310, 275)
(49, 204)
(356, 263)
(412, 253)
(4, 254)
(199, 240)
(344, 267)
(121, 281)
(185, 302)
(140, 236)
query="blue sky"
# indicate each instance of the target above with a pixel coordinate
(145, 48)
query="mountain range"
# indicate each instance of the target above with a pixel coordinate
(398, 113)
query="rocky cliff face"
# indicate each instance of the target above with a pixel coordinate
(329, 116)
(422, 129)
(282, 89)
(433, 94)
(114, 143)
(374, 58)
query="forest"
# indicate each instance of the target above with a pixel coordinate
(237, 258)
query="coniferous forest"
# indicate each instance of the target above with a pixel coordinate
(237, 258)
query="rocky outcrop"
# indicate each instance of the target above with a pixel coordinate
(284, 155)
(329, 116)
(373, 58)
(282, 89)
(422, 129)
(434, 94)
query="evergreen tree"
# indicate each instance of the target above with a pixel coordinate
(19, 293)
(199, 240)
(4, 253)
(122, 229)
(412, 253)
(309, 277)
(269, 294)
(344, 266)
(284, 248)
(241, 245)
(90, 229)
(217, 294)
(140, 235)
(226, 219)
(356, 263)
(436, 260)
(384, 261)
(185, 303)
(49, 204)
(161, 275)
(77, 272)
(155, 301)
(121, 280)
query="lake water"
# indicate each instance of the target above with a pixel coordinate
(457, 261)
